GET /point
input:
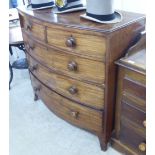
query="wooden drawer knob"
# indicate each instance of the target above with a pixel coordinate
(74, 114)
(33, 68)
(70, 42)
(28, 26)
(37, 88)
(72, 66)
(30, 47)
(73, 90)
(142, 147)
(144, 123)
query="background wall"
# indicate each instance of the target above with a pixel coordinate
(128, 5)
(138, 6)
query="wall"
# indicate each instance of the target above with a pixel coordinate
(138, 6)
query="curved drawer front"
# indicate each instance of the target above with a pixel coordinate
(73, 66)
(69, 39)
(84, 93)
(33, 27)
(70, 111)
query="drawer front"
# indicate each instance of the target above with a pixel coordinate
(84, 93)
(134, 101)
(70, 111)
(135, 76)
(135, 88)
(130, 138)
(33, 27)
(134, 115)
(73, 66)
(83, 44)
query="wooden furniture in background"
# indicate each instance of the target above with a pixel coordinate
(130, 119)
(71, 64)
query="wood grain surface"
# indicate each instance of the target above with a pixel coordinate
(37, 30)
(70, 111)
(86, 70)
(130, 116)
(86, 94)
(84, 44)
(67, 40)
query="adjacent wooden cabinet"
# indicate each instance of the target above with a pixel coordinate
(129, 135)
(71, 64)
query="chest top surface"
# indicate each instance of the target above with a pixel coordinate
(73, 19)
(136, 61)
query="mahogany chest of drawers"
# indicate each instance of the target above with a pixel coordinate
(71, 64)
(130, 119)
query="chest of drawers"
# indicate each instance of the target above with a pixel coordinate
(71, 64)
(130, 120)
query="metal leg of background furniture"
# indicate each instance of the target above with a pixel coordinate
(11, 75)
(21, 63)
(18, 64)
(10, 49)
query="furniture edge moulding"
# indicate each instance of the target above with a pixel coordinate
(77, 29)
(99, 31)
(124, 65)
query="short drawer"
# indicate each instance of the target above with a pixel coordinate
(133, 114)
(132, 139)
(68, 64)
(33, 27)
(72, 112)
(77, 42)
(76, 90)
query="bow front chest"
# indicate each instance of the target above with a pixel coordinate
(71, 64)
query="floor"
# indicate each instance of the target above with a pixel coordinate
(34, 130)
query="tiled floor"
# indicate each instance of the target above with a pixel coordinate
(34, 130)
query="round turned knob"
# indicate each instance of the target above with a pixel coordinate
(144, 123)
(37, 88)
(70, 42)
(73, 90)
(28, 26)
(142, 147)
(33, 68)
(74, 114)
(30, 47)
(72, 66)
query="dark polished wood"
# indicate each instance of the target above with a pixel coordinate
(133, 114)
(76, 61)
(76, 114)
(129, 136)
(77, 67)
(76, 90)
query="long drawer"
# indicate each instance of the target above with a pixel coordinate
(68, 64)
(84, 93)
(72, 112)
(77, 42)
